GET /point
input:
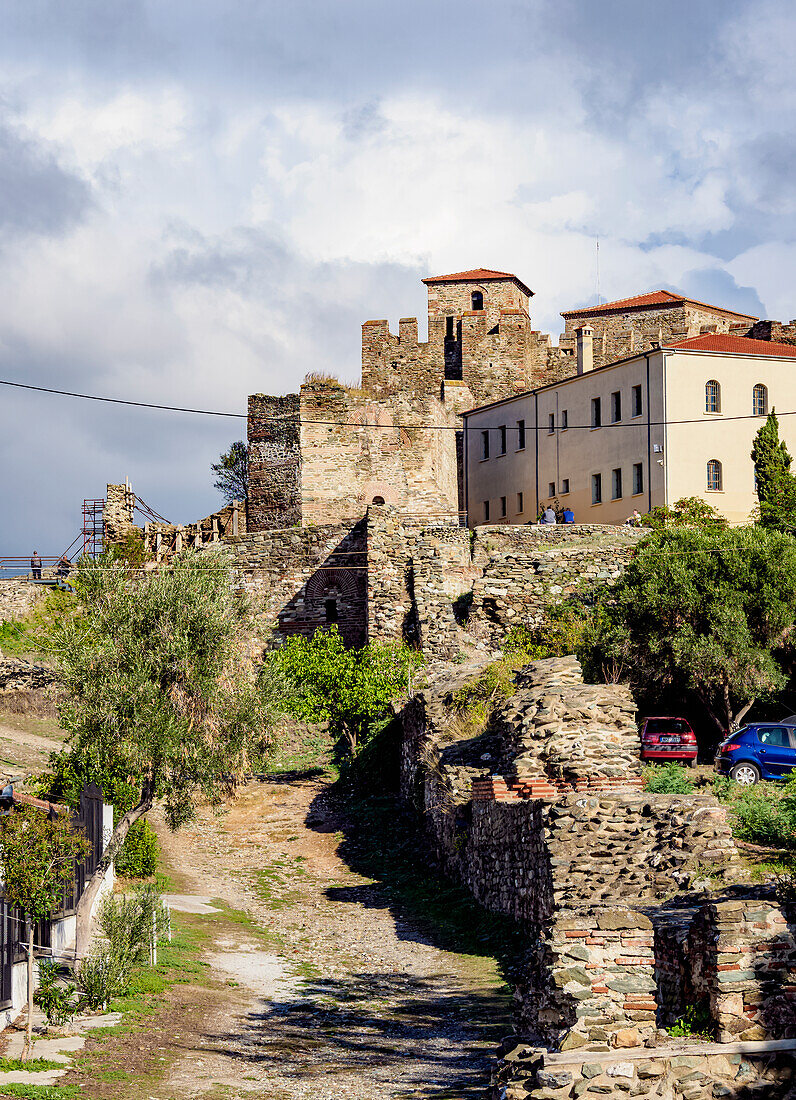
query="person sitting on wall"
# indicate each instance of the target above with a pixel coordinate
(569, 515)
(548, 515)
(634, 520)
(35, 565)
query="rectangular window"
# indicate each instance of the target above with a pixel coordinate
(484, 445)
(564, 420)
(448, 328)
(596, 488)
(502, 506)
(502, 430)
(551, 488)
(596, 412)
(636, 404)
(486, 511)
(331, 611)
(520, 435)
(638, 478)
(616, 484)
(565, 486)
(616, 407)
(551, 423)
(520, 504)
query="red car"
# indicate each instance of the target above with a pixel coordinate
(665, 739)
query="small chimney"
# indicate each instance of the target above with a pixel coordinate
(585, 335)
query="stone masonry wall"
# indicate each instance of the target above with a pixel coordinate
(399, 449)
(305, 578)
(17, 597)
(274, 462)
(417, 572)
(622, 333)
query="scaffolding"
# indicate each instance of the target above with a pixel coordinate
(93, 527)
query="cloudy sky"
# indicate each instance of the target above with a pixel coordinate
(205, 198)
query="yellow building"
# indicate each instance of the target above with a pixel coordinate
(670, 422)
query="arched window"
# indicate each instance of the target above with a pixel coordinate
(378, 500)
(712, 396)
(714, 476)
(760, 400)
(478, 299)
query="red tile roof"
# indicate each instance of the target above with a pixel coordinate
(735, 345)
(647, 301)
(478, 275)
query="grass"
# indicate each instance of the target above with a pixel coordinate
(33, 1065)
(44, 1092)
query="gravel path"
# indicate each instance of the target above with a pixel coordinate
(345, 997)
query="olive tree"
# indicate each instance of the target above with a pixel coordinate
(159, 695)
(704, 612)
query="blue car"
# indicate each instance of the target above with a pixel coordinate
(761, 751)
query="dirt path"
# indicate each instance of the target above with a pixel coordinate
(346, 995)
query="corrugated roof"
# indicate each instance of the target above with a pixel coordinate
(735, 345)
(655, 298)
(478, 275)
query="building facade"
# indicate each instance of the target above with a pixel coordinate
(672, 422)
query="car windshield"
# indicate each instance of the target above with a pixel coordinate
(667, 725)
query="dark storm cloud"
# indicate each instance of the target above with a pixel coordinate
(38, 195)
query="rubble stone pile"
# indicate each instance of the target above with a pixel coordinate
(557, 729)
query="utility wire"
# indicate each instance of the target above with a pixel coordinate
(637, 422)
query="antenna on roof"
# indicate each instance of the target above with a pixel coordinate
(598, 271)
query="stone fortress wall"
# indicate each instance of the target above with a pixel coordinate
(634, 905)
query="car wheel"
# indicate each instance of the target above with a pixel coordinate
(745, 773)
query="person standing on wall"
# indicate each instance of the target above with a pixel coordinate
(35, 565)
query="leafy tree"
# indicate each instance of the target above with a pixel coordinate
(232, 473)
(38, 855)
(701, 612)
(351, 689)
(686, 512)
(776, 485)
(159, 696)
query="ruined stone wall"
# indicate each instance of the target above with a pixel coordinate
(118, 512)
(420, 570)
(773, 330)
(305, 578)
(274, 462)
(17, 598)
(400, 449)
(749, 970)
(16, 675)
(619, 334)
(672, 1071)
(522, 570)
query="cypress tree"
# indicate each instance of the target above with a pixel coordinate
(775, 484)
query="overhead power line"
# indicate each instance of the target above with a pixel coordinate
(540, 429)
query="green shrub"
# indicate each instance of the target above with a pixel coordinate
(57, 1001)
(763, 814)
(558, 635)
(667, 779)
(127, 925)
(138, 857)
(103, 975)
(12, 637)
